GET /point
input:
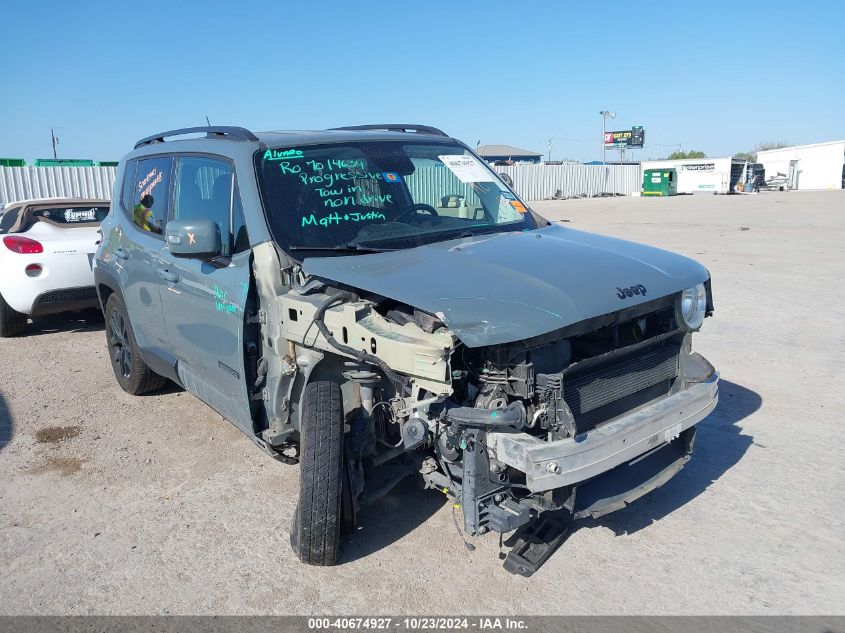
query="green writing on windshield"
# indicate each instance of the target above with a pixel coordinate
(333, 164)
(329, 179)
(363, 199)
(337, 218)
(282, 154)
(351, 185)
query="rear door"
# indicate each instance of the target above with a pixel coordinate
(145, 199)
(204, 301)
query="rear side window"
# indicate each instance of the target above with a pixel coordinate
(151, 195)
(21, 220)
(8, 219)
(70, 216)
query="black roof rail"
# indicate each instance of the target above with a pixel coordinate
(396, 127)
(212, 131)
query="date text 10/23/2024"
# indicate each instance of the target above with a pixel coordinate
(421, 623)
(344, 183)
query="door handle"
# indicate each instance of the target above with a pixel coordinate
(120, 253)
(168, 276)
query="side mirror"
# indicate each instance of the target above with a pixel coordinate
(198, 238)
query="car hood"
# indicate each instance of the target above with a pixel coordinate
(504, 287)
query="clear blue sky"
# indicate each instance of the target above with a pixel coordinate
(715, 76)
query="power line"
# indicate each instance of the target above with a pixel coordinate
(27, 151)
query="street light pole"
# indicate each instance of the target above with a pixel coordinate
(603, 132)
(604, 114)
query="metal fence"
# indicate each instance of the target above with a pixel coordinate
(21, 183)
(542, 182)
(531, 182)
(535, 182)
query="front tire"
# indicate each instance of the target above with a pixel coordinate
(12, 322)
(315, 533)
(130, 370)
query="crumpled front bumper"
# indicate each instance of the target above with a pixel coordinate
(550, 465)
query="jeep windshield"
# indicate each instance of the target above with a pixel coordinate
(361, 197)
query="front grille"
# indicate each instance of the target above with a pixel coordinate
(620, 385)
(67, 295)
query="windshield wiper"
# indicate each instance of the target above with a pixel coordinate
(349, 247)
(483, 229)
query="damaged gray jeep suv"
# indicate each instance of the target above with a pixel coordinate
(375, 302)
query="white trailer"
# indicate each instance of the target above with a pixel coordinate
(816, 166)
(703, 175)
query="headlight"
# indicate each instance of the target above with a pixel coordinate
(691, 306)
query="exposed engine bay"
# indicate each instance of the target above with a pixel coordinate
(417, 400)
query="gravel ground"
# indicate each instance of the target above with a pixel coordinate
(113, 504)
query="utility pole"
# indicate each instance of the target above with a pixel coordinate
(550, 150)
(55, 142)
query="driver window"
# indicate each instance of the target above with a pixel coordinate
(204, 190)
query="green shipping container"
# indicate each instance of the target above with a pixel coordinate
(660, 182)
(63, 162)
(12, 162)
(107, 163)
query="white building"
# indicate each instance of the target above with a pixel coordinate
(816, 166)
(703, 175)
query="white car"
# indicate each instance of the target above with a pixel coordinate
(46, 252)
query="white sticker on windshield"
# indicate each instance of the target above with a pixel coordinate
(466, 168)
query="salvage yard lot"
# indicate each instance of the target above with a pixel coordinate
(114, 504)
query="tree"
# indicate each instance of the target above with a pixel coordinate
(683, 155)
(761, 147)
(751, 156)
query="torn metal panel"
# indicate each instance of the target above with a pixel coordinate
(280, 393)
(405, 348)
(493, 289)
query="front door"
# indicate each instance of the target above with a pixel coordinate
(204, 301)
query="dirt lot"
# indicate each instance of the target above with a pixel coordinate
(112, 504)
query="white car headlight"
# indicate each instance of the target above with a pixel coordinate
(691, 306)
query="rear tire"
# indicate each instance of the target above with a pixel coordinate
(130, 370)
(12, 322)
(315, 533)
